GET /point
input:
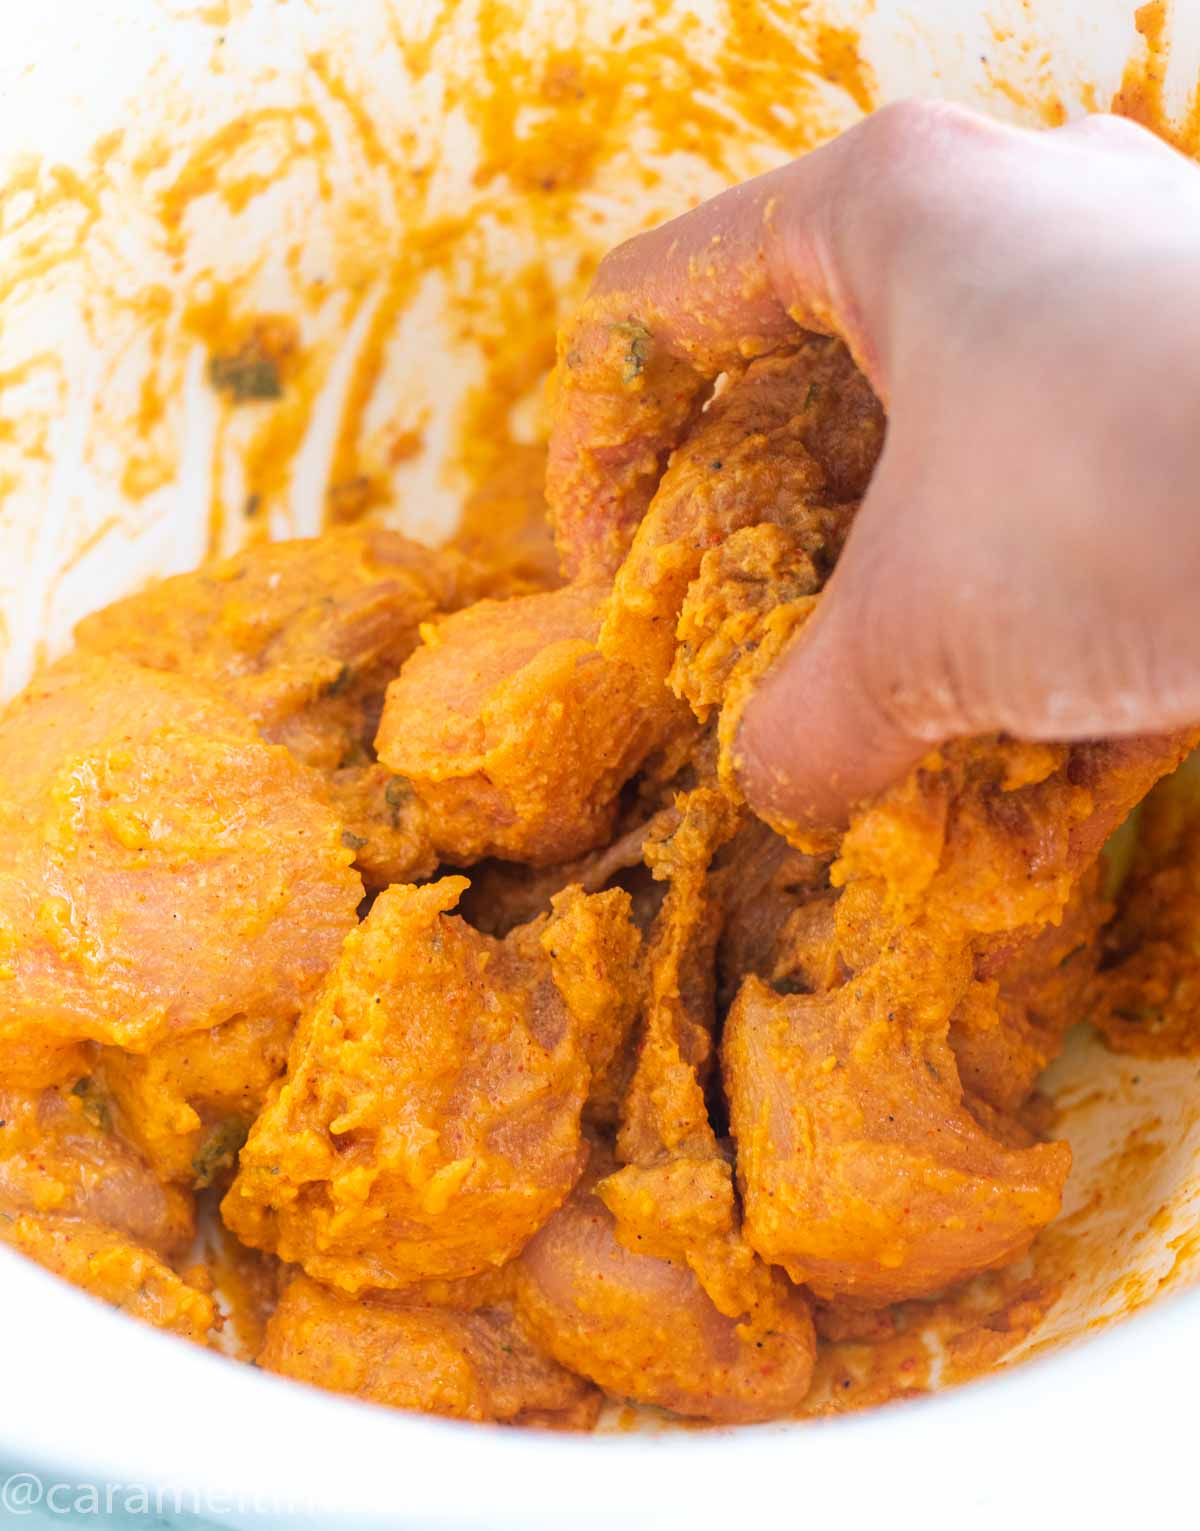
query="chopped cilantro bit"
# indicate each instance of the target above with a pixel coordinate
(96, 1108)
(219, 1150)
(637, 350)
(247, 376)
(396, 795)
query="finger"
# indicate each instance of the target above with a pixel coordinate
(821, 733)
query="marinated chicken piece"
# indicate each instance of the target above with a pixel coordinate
(657, 1240)
(664, 1111)
(750, 599)
(430, 1120)
(739, 588)
(780, 923)
(476, 1366)
(104, 1263)
(741, 534)
(59, 1154)
(1013, 1022)
(187, 1105)
(989, 839)
(304, 637)
(79, 1201)
(1146, 998)
(645, 1329)
(516, 734)
(165, 870)
(865, 1169)
(748, 464)
(627, 400)
(623, 403)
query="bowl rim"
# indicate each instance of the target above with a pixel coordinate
(934, 1458)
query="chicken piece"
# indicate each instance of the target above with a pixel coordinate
(738, 587)
(623, 403)
(989, 840)
(780, 923)
(165, 869)
(865, 1169)
(742, 533)
(749, 600)
(430, 1120)
(662, 1228)
(664, 1111)
(187, 1105)
(645, 1329)
(1146, 998)
(1013, 1022)
(59, 1154)
(748, 464)
(517, 736)
(476, 1366)
(106, 1264)
(628, 396)
(304, 636)
(79, 1201)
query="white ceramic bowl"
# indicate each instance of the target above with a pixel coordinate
(158, 157)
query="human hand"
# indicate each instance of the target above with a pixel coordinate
(1027, 558)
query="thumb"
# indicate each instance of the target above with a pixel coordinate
(829, 725)
(916, 640)
(924, 635)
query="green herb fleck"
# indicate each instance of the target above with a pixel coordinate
(396, 795)
(247, 376)
(219, 1150)
(95, 1105)
(813, 394)
(637, 350)
(351, 841)
(252, 506)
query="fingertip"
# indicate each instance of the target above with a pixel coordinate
(776, 775)
(811, 745)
